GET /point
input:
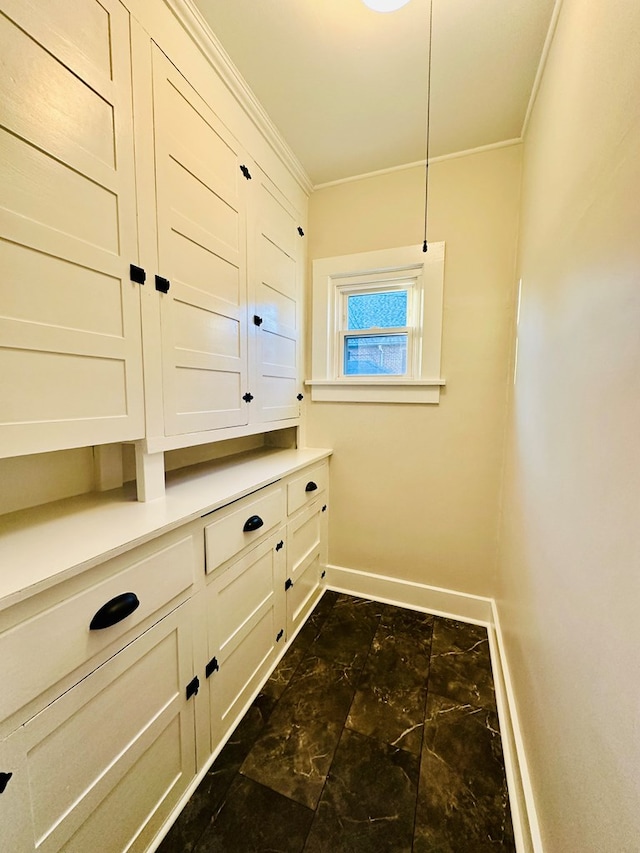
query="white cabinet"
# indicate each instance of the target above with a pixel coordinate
(121, 682)
(244, 602)
(70, 350)
(85, 88)
(307, 508)
(246, 630)
(276, 282)
(230, 257)
(201, 232)
(99, 734)
(105, 764)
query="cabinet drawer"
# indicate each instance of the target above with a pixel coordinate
(301, 491)
(107, 761)
(40, 651)
(234, 528)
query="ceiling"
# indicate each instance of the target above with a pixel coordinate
(347, 86)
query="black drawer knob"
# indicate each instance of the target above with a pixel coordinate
(4, 781)
(115, 611)
(253, 523)
(162, 284)
(311, 486)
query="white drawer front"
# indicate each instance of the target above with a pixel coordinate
(226, 535)
(40, 651)
(114, 749)
(301, 491)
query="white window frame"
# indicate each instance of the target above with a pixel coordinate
(379, 283)
(334, 279)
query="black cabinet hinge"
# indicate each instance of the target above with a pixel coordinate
(257, 321)
(300, 397)
(211, 667)
(280, 545)
(4, 781)
(245, 171)
(280, 635)
(137, 274)
(192, 687)
(247, 397)
(288, 584)
(300, 231)
(162, 284)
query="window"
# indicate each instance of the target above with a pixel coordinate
(377, 326)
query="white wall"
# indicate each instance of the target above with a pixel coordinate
(415, 488)
(570, 543)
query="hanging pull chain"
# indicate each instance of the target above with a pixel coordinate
(426, 169)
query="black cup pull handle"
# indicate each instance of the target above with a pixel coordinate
(115, 611)
(253, 523)
(311, 486)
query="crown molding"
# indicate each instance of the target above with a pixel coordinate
(193, 22)
(553, 23)
(506, 143)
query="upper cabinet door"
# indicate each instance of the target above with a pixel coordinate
(70, 353)
(276, 278)
(201, 223)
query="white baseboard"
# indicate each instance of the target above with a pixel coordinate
(480, 611)
(523, 807)
(416, 596)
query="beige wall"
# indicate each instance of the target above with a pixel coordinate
(570, 555)
(415, 488)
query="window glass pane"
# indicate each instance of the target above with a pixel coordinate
(377, 310)
(373, 355)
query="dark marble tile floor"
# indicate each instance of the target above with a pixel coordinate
(377, 733)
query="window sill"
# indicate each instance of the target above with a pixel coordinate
(375, 390)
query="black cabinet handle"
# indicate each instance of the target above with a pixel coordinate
(300, 397)
(311, 486)
(114, 611)
(4, 781)
(137, 274)
(288, 584)
(162, 284)
(253, 523)
(257, 320)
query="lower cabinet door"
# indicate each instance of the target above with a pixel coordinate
(306, 540)
(246, 629)
(107, 762)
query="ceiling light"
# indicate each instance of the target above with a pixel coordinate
(385, 5)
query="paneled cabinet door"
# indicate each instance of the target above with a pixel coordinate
(70, 351)
(246, 628)
(306, 555)
(201, 222)
(105, 764)
(276, 269)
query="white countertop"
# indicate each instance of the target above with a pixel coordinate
(42, 546)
